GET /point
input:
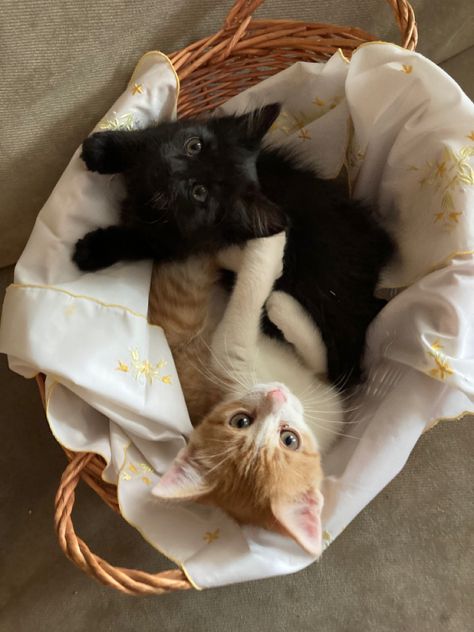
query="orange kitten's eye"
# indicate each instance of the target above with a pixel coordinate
(290, 439)
(241, 421)
(193, 146)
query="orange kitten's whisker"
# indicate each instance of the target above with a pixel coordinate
(245, 385)
(218, 465)
(233, 376)
(213, 379)
(209, 374)
(334, 432)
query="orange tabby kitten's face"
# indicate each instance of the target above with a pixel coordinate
(255, 458)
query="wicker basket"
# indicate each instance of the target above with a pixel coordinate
(244, 52)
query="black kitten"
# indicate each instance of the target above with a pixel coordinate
(201, 185)
(191, 186)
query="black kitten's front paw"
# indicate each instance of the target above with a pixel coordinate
(99, 152)
(94, 251)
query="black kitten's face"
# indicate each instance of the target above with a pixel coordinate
(200, 176)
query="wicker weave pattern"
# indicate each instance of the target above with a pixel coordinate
(241, 54)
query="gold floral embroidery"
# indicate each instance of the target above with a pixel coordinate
(441, 168)
(123, 122)
(442, 368)
(304, 134)
(144, 370)
(145, 467)
(327, 539)
(211, 536)
(137, 88)
(319, 102)
(336, 101)
(446, 176)
(407, 69)
(354, 157)
(132, 470)
(471, 135)
(290, 123)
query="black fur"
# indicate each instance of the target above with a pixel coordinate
(335, 248)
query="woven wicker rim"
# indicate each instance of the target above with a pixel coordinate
(242, 53)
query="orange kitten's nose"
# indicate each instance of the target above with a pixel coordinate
(277, 396)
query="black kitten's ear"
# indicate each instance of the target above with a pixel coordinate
(258, 217)
(109, 152)
(256, 124)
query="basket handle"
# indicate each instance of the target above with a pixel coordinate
(405, 17)
(403, 11)
(241, 10)
(126, 580)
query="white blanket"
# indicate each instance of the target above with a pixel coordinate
(405, 131)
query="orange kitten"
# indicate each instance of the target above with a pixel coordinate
(254, 452)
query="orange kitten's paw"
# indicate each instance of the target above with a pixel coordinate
(267, 254)
(231, 258)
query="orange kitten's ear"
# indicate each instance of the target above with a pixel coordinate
(183, 481)
(301, 519)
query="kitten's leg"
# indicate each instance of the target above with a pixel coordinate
(110, 152)
(298, 328)
(236, 336)
(102, 247)
(231, 258)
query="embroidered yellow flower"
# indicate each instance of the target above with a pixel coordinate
(131, 471)
(442, 369)
(211, 536)
(291, 123)
(453, 217)
(116, 122)
(446, 177)
(471, 135)
(319, 102)
(436, 346)
(304, 134)
(327, 539)
(137, 88)
(407, 69)
(144, 370)
(145, 467)
(441, 168)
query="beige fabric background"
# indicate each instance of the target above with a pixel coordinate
(62, 62)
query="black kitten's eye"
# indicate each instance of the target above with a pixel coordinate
(290, 439)
(199, 192)
(240, 420)
(193, 146)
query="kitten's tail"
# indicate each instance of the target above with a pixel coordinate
(180, 293)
